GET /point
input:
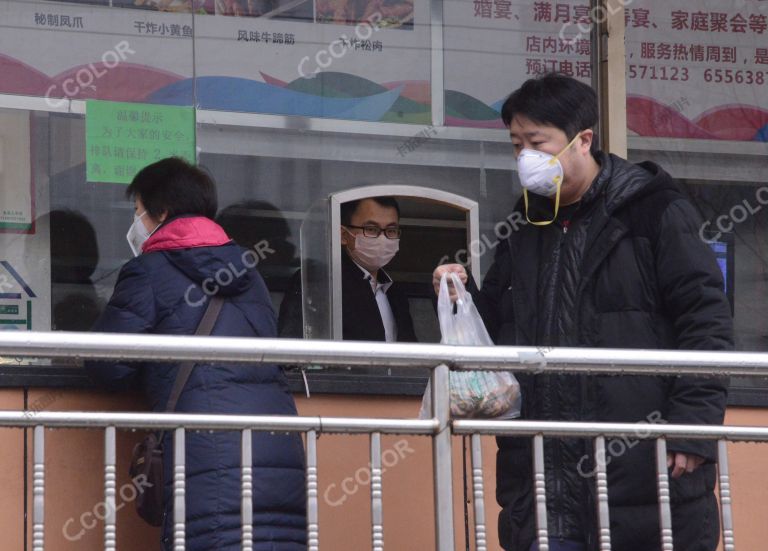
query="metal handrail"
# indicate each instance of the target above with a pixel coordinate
(440, 359)
(312, 426)
(200, 421)
(636, 431)
(361, 425)
(171, 348)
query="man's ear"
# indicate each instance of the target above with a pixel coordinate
(585, 140)
(345, 239)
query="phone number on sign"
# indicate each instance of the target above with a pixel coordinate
(725, 76)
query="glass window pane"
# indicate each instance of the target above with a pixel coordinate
(493, 46)
(696, 105)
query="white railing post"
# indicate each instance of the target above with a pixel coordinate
(377, 506)
(38, 491)
(313, 525)
(179, 491)
(665, 508)
(603, 513)
(110, 490)
(540, 493)
(441, 459)
(246, 481)
(729, 543)
(478, 491)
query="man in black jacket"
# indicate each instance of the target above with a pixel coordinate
(373, 306)
(610, 257)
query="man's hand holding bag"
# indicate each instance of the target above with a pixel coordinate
(474, 394)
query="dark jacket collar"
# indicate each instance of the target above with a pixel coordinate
(353, 270)
(618, 182)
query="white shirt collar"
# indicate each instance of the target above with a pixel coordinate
(375, 284)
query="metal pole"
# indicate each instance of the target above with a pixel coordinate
(179, 489)
(729, 543)
(665, 510)
(377, 513)
(596, 58)
(441, 459)
(175, 348)
(247, 488)
(603, 514)
(437, 69)
(478, 492)
(110, 490)
(572, 429)
(218, 421)
(38, 490)
(541, 492)
(312, 506)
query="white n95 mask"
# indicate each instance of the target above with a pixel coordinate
(542, 174)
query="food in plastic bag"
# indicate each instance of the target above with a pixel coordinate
(485, 394)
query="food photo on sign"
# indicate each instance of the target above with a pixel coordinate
(395, 14)
(174, 6)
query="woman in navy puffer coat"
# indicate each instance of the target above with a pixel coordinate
(184, 258)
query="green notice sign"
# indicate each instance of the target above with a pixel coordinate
(123, 138)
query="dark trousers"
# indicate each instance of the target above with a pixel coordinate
(556, 544)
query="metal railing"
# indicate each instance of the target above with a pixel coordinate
(440, 358)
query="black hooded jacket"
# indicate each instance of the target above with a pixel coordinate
(623, 268)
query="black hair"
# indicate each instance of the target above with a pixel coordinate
(348, 209)
(251, 223)
(74, 247)
(174, 186)
(556, 100)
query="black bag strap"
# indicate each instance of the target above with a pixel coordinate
(185, 369)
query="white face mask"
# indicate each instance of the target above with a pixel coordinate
(138, 234)
(375, 252)
(542, 174)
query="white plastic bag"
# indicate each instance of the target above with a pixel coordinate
(483, 394)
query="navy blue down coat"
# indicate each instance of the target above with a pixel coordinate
(160, 292)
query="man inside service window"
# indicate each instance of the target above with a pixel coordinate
(373, 306)
(611, 257)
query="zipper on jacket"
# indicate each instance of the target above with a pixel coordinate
(557, 460)
(556, 384)
(558, 251)
(558, 501)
